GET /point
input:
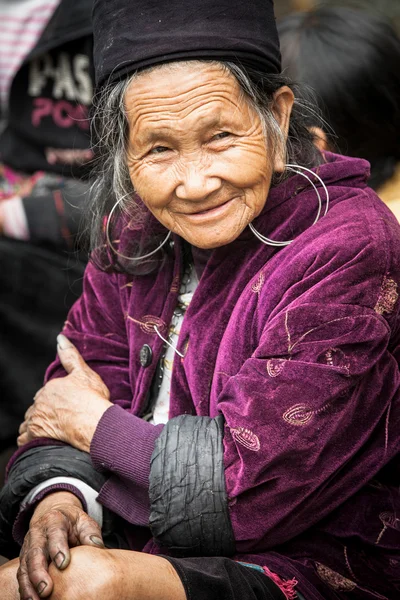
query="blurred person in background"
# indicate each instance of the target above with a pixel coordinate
(389, 9)
(285, 7)
(45, 92)
(351, 59)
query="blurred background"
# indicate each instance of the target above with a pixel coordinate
(388, 8)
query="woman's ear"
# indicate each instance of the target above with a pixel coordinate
(320, 138)
(282, 109)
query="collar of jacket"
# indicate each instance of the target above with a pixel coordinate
(337, 171)
(292, 205)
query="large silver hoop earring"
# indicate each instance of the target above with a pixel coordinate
(124, 255)
(296, 169)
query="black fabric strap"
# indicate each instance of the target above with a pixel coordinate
(217, 578)
(33, 467)
(189, 511)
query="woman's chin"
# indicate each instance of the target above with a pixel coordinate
(208, 237)
(210, 242)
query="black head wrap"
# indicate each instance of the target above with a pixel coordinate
(134, 34)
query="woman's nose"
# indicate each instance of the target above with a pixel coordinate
(196, 183)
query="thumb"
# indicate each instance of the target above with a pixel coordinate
(69, 355)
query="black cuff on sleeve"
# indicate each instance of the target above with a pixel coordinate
(189, 509)
(35, 466)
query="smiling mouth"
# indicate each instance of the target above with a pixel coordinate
(210, 212)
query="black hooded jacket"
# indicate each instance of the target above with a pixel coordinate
(47, 126)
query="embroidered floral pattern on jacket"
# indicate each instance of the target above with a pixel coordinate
(275, 366)
(246, 438)
(299, 414)
(256, 287)
(148, 323)
(335, 580)
(336, 358)
(389, 521)
(347, 561)
(388, 297)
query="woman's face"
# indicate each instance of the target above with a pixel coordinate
(197, 154)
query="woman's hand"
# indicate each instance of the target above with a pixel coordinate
(58, 524)
(69, 408)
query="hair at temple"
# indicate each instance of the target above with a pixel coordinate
(113, 183)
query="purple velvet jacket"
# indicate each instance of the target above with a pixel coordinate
(299, 349)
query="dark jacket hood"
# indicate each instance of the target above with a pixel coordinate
(70, 21)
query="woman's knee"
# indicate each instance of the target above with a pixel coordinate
(89, 575)
(8, 580)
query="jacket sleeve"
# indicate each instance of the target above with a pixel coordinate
(312, 415)
(321, 420)
(189, 511)
(97, 327)
(32, 467)
(54, 211)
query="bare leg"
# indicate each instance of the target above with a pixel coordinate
(8, 580)
(115, 575)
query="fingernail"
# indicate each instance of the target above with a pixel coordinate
(96, 540)
(59, 559)
(41, 587)
(63, 342)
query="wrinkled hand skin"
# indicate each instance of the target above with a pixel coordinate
(67, 409)
(105, 575)
(58, 524)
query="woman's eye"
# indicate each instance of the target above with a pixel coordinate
(158, 150)
(221, 136)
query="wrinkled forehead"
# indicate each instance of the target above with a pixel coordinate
(179, 90)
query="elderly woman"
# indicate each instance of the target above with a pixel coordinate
(225, 409)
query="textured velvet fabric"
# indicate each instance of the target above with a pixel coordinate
(299, 349)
